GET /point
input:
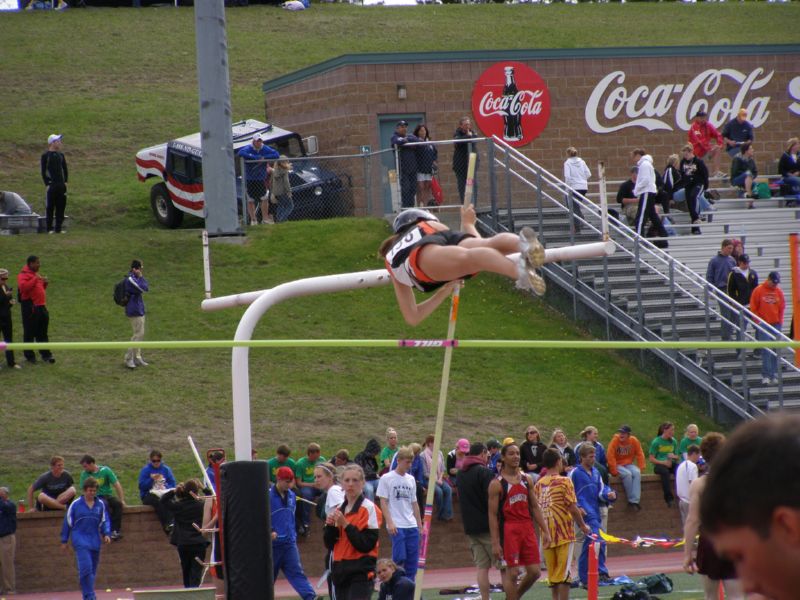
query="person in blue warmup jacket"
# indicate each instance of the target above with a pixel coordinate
(590, 490)
(87, 524)
(285, 556)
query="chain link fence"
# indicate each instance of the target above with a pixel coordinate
(369, 184)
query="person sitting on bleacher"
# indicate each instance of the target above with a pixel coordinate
(627, 199)
(789, 168)
(744, 171)
(736, 132)
(12, 203)
(694, 176)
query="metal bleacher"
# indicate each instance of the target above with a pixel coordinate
(645, 293)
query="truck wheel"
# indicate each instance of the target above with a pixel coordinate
(163, 209)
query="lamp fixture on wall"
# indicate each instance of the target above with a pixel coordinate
(402, 93)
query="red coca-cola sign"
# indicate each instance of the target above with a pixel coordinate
(510, 100)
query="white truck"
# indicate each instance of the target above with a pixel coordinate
(318, 193)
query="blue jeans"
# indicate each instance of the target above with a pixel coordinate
(632, 481)
(309, 493)
(738, 181)
(583, 559)
(405, 550)
(284, 209)
(370, 487)
(769, 360)
(286, 558)
(87, 570)
(443, 498)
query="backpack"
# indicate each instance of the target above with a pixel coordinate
(631, 591)
(121, 296)
(657, 584)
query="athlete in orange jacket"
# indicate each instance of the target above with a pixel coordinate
(351, 535)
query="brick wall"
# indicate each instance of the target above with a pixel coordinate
(144, 557)
(342, 105)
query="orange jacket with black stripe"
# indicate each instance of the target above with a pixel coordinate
(354, 548)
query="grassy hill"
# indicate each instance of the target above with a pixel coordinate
(116, 80)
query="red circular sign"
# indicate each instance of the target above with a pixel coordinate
(510, 100)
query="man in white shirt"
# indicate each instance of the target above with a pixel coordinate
(397, 491)
(684, 476)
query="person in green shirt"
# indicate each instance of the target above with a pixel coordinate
(690, 436)
(304, 480)
(281, 459)
(385, 459)
(107, 484)
(664, 457)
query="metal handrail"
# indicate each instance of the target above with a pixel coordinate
(683, 280)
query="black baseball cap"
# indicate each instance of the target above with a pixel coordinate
(625, 429)
(701, 113)
(774, 277)
(744, 258)
(402, 124)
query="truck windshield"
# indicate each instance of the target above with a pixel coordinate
(291, 146)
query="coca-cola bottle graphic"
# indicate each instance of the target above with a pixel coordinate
(512, 120)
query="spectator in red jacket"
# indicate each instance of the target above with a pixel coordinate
(700, 135)
(33, 302)
(768, 304)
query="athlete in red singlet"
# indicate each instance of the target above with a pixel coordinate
(512, 512)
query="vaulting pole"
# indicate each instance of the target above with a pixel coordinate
(437, 438)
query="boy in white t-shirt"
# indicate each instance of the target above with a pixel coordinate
(684, 476)
(397, 491)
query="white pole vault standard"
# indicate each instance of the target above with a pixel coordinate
(261, 303)
(433, 476)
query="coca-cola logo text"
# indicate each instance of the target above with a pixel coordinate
(611, 100)
(521, 103)
(511, 100)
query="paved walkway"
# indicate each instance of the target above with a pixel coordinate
(632, 566)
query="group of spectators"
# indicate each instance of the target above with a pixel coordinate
(647, 195)
(32, 297)
(730, 272)
(417, 162)
(267, 184)
(503, 489)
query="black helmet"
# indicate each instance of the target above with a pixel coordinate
(410, 217)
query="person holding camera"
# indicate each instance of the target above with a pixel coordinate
(6, 302)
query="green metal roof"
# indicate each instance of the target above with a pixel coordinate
(388, 58)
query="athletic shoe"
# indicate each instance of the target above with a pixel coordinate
(140, 361)
(130, 364)
(116, 536)
(774, 381)
(765, 381)
(50, 360)
(16, 366)
(530, 247)
(529, 279)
